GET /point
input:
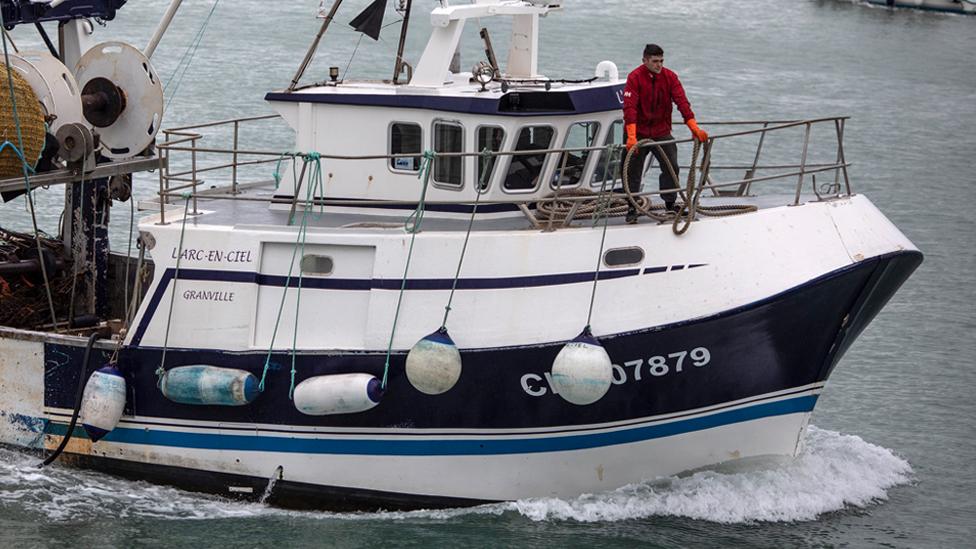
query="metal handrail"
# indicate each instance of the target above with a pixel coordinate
(185, 140)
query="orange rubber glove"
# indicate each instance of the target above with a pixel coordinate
(696, 131)
(631, 135)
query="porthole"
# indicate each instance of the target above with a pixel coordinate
(620, 257)
(319, 265)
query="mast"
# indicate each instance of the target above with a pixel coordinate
(315, 45)
(398, 65)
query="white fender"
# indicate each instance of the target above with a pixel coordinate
(209, 386)
(102, 402)
(434, 363)
(582, 372)
(337, 394)
(608, 69)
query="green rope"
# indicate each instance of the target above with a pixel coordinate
(486, 155)
(612, 162)
(413, 229)
(417, 216)
(24, 167)
(315, 183)
(161, 370)
(277, 172)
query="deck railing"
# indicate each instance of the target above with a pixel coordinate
(185, 181)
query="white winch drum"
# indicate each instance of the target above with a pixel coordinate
(128, 69)
(434, 363)
(102, 402)
(582, 372)
(54, 85)
(337, 394)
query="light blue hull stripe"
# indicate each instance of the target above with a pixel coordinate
(447, 447)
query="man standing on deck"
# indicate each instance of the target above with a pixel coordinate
(650, 91)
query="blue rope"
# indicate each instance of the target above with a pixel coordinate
(20, 155)
(413, 229)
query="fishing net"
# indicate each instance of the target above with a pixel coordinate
(23, 300)
(31, 117)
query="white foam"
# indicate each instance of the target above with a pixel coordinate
(835, 471)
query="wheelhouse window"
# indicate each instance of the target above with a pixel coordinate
(614, 137)
(569, 170)
(448, 138)
(490, 138)
(524, 170)
(406, 138)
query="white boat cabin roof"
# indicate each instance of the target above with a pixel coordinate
(445, 111)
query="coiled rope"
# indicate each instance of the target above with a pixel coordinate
(568, 204)
(688, 208)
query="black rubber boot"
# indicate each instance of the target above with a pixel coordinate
(631, 216)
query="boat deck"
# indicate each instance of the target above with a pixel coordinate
(257, 207)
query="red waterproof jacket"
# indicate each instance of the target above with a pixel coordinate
(648, 98)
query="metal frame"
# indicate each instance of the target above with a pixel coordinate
(186, 140)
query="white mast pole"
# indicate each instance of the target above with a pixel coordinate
(161, 28)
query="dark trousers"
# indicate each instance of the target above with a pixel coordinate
(665, 180)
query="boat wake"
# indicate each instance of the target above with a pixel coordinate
(834, 472)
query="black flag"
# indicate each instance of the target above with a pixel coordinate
(370, 21)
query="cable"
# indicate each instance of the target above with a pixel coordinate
(79, 392)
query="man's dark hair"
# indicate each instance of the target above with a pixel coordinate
(652, 49)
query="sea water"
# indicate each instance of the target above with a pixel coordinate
(889, 460)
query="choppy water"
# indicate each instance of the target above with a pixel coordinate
(890, 465)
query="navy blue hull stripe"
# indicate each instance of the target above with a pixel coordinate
(445, 447)
(584, 101)
(410, 206)
(365, 284)
(568, 430)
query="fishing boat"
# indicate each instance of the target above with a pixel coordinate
(430, 296)
(948, 6)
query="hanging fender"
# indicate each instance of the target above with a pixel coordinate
(205, 385)
(102, 402)
(337, 394)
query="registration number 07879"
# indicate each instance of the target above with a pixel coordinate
(655, 366)
(662, 365)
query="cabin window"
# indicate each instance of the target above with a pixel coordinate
(406, 138)
(569, 170)
(524, 169)
(620, 257)
(614, 137)
(448, 138)
(491, 138)
(317, 265)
